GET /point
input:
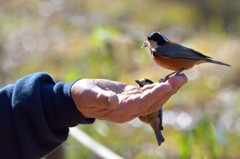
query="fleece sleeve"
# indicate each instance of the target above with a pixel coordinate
(35, 116)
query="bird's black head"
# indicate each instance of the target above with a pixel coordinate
(148, 81)
(157, 37)
(143, 82)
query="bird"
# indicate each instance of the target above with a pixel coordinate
(173, 56)
(154, 119)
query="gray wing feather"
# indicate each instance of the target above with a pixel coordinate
(180, 52)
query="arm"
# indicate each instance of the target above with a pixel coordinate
(36, 112)
(35, 115)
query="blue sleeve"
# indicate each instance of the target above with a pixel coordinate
(35, 116)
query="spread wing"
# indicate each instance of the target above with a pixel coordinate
(180, 52)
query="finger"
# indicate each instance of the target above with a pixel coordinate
(155, 107)
(138, 103)
(149, 97)
(177, 82)
(130, 105)
(131, 88)
(132, 92)
(149, 86)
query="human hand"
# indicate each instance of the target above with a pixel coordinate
(103, 99)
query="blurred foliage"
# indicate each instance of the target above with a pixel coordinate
(102, 39)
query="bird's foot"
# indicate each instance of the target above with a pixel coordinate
(166, 77)
(179, 73)
(163, 79)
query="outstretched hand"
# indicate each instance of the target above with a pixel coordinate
(103, 99)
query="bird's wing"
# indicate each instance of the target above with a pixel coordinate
(180, 52)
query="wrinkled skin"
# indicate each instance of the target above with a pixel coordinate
(104, 100)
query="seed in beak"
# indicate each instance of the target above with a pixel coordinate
(145, 44)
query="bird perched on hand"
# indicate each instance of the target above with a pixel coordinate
(155, 118)
(173, 56)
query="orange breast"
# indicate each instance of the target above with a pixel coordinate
(173, 64)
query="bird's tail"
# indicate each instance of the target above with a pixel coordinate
(159, 136)
(218, 62)
(158, 133)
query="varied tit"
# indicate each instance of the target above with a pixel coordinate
(173, 56)
(154, 119)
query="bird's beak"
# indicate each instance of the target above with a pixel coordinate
(139, 83)
(145, 44)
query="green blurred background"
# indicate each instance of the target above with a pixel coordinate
(102, 39)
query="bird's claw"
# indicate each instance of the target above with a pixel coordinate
(163, 79)
(166, 77)
(179, 73)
